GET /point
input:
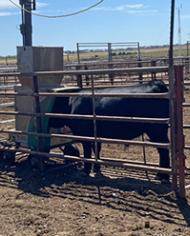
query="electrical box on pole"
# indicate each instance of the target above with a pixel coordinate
(27, 6)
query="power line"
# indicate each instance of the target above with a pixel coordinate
(58, 16)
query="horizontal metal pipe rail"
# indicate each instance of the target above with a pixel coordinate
(10, 86)
(90, 139)
(9, 104)
(126, 95)
(186, 126)
(186, 104)
(2, 122)
(96, 94)
(106, 63)
(135, 70)
(93, 161)
(131, 161)
(90, 117)
(187, 147)
(9, 74)
(105, 44)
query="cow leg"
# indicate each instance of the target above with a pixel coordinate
(97, 166)
(160, 134)
(87, 154)
(164, 162)
(71, 150)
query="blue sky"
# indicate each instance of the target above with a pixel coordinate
(145, 21)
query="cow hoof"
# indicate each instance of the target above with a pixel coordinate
(163, 178)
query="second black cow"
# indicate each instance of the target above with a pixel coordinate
(117, 106)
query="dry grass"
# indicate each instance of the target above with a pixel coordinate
(7, 61)
(154, 52)
(149, 52)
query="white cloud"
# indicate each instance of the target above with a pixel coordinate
(41, 4)
(6, 4)
(142, 11)
(135, 6)
(128, 8)
(6, 14)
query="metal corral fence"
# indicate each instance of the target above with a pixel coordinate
(7, 84)
(118, 78)
(110, 78)
(112, 50)
(175, 96)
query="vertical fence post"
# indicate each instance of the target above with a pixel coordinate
(110, 64)
(172, 105)
(86, 76)
(179, 91)
(138, 52)
(79, 77)
(96, 151)
(187, 59)
(78, 53)
(172, 100)
(109, 52)
(140, 74)
(38, 160)
(153, 74)
(177, 136)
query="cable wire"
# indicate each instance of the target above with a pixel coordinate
(57, 16)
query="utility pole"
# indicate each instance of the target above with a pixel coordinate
(26, 27)
(179, 26)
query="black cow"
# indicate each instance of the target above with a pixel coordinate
(117, 106)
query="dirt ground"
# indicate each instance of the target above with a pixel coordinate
(61, 201)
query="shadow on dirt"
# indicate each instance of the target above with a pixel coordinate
(185, 209)
(127, 194)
